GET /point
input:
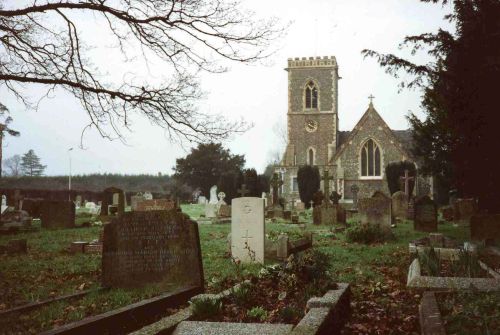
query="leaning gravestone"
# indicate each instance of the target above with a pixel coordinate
(463, 210)
(425, 218)
(376, 210)
(57, 214)
(399, 205)
(160, 247)
(248, 229)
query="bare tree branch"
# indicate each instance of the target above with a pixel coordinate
(42, 44)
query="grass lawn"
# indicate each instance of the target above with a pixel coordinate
(48, 270)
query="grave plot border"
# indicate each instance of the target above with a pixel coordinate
(127, 319)
(429, 315)
(415, 279)
(325, 315)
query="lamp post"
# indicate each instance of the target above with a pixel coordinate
(69, 179)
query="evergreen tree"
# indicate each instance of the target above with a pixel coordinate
(458, 142)
(308, 180)
(395, 170)
(30, 164)
(206, 165)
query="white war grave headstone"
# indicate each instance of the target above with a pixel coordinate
(248, 229)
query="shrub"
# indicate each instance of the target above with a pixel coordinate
(395, 170)
(367, 233)
(430, 261)
(206, 307)
(467, 265)
(289, 313)
(257, 313)
(242, 293)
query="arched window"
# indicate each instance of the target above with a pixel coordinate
(311, 157)
(311, 95)
(370, 160)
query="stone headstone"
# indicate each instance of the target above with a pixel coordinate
(341, 215)
(325, 215)
(300, 206)
(376, 210)
(14, 220)
(202, 200)
(3, 206)
(224, 211)
(213, 195)
(152, 247)
(425, 218)
(248, 229)
(57, 214)
(90, 205)
(287, 215)
(354, 191)
(264, 196)
(210, 210)
(463, 210)
(113, 197)
(155, 205)
(148, 196)
(485, 227)
(399, 205)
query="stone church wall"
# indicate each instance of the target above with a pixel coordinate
(372, 128)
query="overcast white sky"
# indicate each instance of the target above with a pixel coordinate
(258, 92)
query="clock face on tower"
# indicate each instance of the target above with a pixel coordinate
(311, 126)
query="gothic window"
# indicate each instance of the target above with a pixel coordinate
(311, 157)
(295, 184)
(370, 160)
(311, 96)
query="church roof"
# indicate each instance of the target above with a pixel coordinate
(404, 137)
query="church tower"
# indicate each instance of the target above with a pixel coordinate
(312, 116)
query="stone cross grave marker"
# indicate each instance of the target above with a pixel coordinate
(275, 183)
(326, 186)
(161, 247)
(425, 217)
(406, 179)
(355, 190)
(243, 190)
(247, 229)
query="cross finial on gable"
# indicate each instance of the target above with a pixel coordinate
(371, 97)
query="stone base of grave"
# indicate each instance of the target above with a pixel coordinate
(200, 327)
(274, 213)
(415, 279)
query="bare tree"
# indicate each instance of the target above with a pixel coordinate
(41, 43)
(5, 120)
(13, 165)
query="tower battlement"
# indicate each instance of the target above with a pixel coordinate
(325, 61)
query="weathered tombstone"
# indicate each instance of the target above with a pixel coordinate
(463, 210)
(15, 220)
(300, 206)
(152, 247)
(155, 205)
(264, 196)
(148, 196)
(57, 214)
(287, 215)
(108, 200)
(78, 201)
(213, 195)
(32, 206)
(399, 205)
(425, 218)
(202, 200)
(276, 182)
(224, 211)
(341, 215)
(210, 210)
(248, 229)
(376, 210)
(485, 227)
(354, 190)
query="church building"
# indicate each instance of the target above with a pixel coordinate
(356, 157)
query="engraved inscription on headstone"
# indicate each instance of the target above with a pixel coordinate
(152, 247)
